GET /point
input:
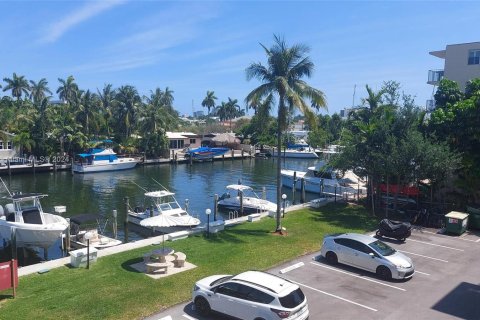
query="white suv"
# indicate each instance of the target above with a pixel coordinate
(251, 295)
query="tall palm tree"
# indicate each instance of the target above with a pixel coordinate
(282, 76)
(38, 90)
(209, 101)
(107, 98)
(374, 99)
(227, 111)
(18, 85)
(127, 102)
(87, 109)
(68, 90)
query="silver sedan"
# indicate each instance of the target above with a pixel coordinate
(367, 253)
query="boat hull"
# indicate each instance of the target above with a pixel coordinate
(35, 235)
(122, 164)
(312, 185)
(250, 205)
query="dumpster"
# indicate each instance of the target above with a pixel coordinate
(78, 258)
(473, 218)
(456, 222)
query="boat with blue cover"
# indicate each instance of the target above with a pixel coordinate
(205, 153)
(102, 159)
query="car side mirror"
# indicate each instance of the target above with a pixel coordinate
(371, 254)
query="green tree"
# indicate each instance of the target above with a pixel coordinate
(107, 98)
(18, 85)
(127, 103)
(448, 92)
(68, 89)
(209, 101)
(282, 76)
(39, 90)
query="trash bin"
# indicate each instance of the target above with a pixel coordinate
(78, 258)
(456, 222)
(473, 218)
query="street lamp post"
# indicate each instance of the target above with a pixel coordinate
(88, 236)
(284, 197)
(207, 212)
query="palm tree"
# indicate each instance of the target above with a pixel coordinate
(38, 90)
(127, 102)
(209, 101)
(283, 77)
(86, 108)
(227, 111)
(107, 98)
(374, 99)
(68, 89)
(18, 85)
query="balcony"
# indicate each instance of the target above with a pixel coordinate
(430, 105)
(434, 76)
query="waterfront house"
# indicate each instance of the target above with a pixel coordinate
(180, 140)
(8, 150)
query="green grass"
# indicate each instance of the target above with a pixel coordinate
(112, 290)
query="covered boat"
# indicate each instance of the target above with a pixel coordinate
(100, 159)
(231, 200)
(95, 224)
(205, 153)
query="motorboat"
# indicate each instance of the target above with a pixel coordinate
(230, 200)
(321, 178)
(297, 150)
(162, 203)
(102, 159)
(33, 227)
(92, 225)
(205, 153)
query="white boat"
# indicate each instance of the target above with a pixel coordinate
(163, 202)
(319, 179)
(297, 150)
(230, 200)
(33, 226)
(99, 159)
(94, 224)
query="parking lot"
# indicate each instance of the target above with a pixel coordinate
(446, 284)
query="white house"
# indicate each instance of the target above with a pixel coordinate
(7, 148)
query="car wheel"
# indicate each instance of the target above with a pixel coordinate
(331, 257)
(202, 306)
(384, 273)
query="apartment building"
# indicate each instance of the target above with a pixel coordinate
(462, 63)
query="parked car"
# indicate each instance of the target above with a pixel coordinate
(367, 253)
(251, 295)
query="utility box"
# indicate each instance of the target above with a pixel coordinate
(78, 258)
(473, 218)
(456, 222)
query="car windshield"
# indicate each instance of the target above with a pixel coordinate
(292, 299)
(382, 248)
(221, 280)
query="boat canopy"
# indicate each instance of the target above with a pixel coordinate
(239, 187)
(159, 194)
(22, 196)
(84, 155)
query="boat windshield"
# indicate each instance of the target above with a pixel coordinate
(27, 203)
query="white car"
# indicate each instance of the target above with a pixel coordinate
(251, 295)
(367, 253)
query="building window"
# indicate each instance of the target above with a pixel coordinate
(1, 145)
(192, 141)
(474, 57)
(176, 144)
(9, 145)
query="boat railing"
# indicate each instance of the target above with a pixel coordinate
(232, 215)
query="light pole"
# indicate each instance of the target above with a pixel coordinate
(88, 236)
(207, 212)
(284, 197)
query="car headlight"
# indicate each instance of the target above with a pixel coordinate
(400, 267)
(195, 288)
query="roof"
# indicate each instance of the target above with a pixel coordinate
(21, 196)
(439, 54)
(240, 187)
(358, 237)
(180, 135)
(159, 194)
(265, 280)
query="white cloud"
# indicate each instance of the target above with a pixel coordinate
(89, 10)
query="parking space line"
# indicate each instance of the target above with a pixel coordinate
(424, 273)
(436, 245)
(421, 255)
(444, 236)
(188, 317)
(356, 276)
(335, 296)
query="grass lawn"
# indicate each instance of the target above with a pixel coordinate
(113, 290)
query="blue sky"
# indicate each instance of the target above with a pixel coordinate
(195, 46)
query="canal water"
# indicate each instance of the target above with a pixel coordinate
(105, 191)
